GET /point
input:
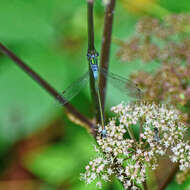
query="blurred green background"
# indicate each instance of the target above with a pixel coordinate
(39, 147)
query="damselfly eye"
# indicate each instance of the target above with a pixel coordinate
(97, 54)
(88, 55)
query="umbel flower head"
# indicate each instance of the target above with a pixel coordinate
(126, 156)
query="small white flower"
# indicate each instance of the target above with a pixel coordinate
(166, 144)
(105, 177)
(174, 159)
(120, 177)
(134, 188)
(96, 149)
(120, 160)
(110, 171)
(128, 183)
(99, 185)
(139, 151)
(93, 176)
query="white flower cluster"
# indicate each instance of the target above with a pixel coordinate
(106, 2)
(126, 156)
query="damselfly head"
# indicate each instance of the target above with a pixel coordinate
(96, 54)
(92, 55)
(88, 56)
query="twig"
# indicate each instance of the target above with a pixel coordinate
(92, 50)
(170, 177)
(140, 130)
(45, 85)
(145, 185)
(90, 26)
(105, 51)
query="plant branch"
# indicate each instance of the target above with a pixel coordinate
(105, 51)
(90, 26)
(92, 50)
(170, 177)
(140, 130)
(46, 86)
(145, 185)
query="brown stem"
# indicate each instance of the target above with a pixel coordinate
(169, 177)
(145, 185)
(140, 130)
(105, 51)
(45, 85)
(91, 50)
(90, 26)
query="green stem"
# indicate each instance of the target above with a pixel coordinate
(101, 111)
(131, 133)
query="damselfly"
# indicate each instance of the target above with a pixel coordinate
(124, 85)
(121, 83)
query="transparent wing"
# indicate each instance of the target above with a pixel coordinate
(72, 90)
(122, 84)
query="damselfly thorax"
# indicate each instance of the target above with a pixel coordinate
(93, 61)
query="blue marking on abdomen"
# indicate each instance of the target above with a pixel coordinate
(94, 68)
(95, 75)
